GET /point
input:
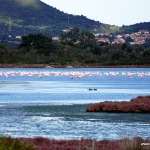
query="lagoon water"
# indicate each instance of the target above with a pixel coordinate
(52, 102)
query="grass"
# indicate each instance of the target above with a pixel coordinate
(8, 143)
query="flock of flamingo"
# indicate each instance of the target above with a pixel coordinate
(70, 74)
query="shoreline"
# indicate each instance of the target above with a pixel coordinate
(69, 66)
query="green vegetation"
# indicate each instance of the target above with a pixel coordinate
(7, 143)
(136, 27)
(76, 47)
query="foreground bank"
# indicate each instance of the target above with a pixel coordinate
(40, 143)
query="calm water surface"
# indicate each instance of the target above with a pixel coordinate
(52, 102)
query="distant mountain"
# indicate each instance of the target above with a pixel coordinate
(24, 16)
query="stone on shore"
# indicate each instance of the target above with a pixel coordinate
(49, 67)
(69, 67)
(140, 104)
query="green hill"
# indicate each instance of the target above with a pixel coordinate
(136, 27)
(21, 17)
(112, 29)
(30, 16)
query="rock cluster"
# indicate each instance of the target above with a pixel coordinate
(140, 104)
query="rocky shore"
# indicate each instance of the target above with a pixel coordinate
(140, 104)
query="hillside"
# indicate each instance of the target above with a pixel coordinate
(112, 29)
(21, 17)
(135, 27)
(25, 16)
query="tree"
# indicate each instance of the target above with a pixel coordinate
(4, 49)
(70, 37)
(129, 39)
(146, 56)
(39, 42)
(87, 39)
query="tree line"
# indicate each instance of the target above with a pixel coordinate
(76, 47)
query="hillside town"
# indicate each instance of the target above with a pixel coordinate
(137, 38)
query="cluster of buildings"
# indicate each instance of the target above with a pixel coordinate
(137, 38)
(140, 37)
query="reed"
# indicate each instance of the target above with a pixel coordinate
(134, 144)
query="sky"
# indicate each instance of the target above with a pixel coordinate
(113, 12)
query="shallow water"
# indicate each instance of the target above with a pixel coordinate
(52, 102)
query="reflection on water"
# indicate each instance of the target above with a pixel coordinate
(52, 102)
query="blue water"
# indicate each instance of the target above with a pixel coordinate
(52, 102)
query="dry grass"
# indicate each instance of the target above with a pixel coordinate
(135, 144)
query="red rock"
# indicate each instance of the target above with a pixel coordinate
(140, 104)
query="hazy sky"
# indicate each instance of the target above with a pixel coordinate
(114, 12)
